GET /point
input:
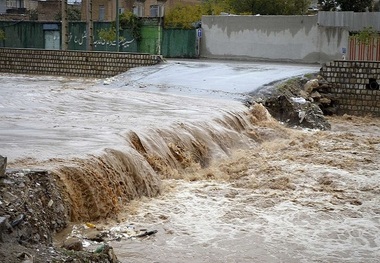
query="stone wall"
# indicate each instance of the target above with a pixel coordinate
(355, 85)
(71, 63)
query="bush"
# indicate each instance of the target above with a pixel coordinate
(128, 20)
(2, 34)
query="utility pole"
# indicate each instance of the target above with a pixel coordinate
(117, 26)
(64, 26)
(89, 26)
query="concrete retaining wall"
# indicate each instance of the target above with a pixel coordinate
(355, 86)
(71, 63)
(280, 38)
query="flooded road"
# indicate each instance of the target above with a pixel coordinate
(219, 182)
(79, 117)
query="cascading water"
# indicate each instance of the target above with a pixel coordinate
(99, 186)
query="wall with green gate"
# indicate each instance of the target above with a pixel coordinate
(22, 34)
(154, 39)
(177, 43)
(151, 35)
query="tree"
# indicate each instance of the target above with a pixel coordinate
(73, 14)
(355, 5)
(376, 7)
(128, 20)
(2, 34)
(327, 5)
(270, 7)
(183, 16)
(366, 35)
(188, 16)
(108, 35)
(215, 7)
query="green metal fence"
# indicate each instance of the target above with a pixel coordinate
(154, 39)
(22, 34)
(177, 43)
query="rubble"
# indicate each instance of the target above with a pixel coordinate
(300, 102)
(73, 244)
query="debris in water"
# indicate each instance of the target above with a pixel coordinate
(90, 225)
(147, 233)
(73, 244)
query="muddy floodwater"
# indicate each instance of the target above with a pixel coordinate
(300, 196)
(176, 149)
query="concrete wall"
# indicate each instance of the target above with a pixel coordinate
(355, 86)
(71, 63)
(280, 38)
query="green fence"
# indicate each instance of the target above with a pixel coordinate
(178, 43)
(154, 39)
(22, 34)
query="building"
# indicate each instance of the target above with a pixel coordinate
(50, 10)
(105, 10)
(17, 6)
(45, 10)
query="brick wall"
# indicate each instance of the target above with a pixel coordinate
(355, 85)
(71, 63)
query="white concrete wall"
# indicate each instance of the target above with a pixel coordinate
(278, 38)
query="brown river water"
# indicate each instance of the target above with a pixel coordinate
(220, 182)
(297, 196)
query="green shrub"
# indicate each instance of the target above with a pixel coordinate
(2, 34)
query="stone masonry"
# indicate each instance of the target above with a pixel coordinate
(355, 85)
(71, 63)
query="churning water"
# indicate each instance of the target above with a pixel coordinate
(221, 182)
